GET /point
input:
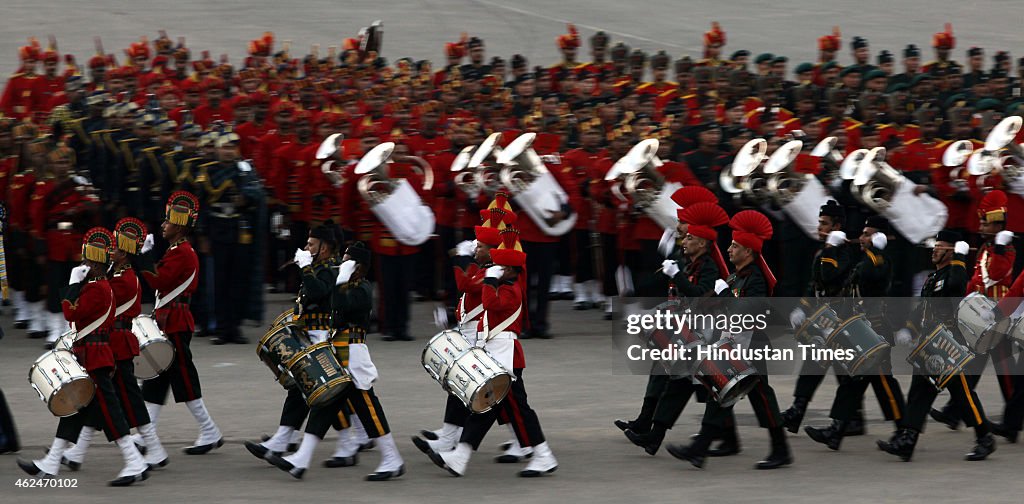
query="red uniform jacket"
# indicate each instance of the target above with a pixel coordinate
(56, 212)
(45, 90)
(249, 134)
(17, 100)
(126, 287)
(579, 166)
(85, 303)
(993, 271)
(19, 197)
(175, 267)
(500, 302)
(204, 114)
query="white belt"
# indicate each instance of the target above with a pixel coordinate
(505, 335)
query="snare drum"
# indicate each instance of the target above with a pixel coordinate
(980, 336)
(728, 380)
(818, 326)
(940, 356)
(284, 318)
(61, 382)
(278, 346)
(318, 374)
(478, 380)
(441, 352)
(156, 352)
(66, 341)
(869, 349)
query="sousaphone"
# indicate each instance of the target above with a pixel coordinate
(395, 203)
(533, 188)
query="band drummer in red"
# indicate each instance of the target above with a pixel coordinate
(88, 305)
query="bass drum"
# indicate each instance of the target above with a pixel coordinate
(318, 374)
(940, 356)
(278, 346)
(61, 382)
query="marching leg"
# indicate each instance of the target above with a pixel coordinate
(135, 468)
(74, 456)
(209, 435)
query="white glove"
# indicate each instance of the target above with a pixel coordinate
(879, 241)
(440, 317)
(1004, 237)
(836, 238)
(147, 245)
(670, 268)
(720, 285)
(797, 317)
(465, 248)
(303, 258)
(961, 247)
(495, 271)
(345, 272)
(903, 337)
(78, 274)
(668, 242)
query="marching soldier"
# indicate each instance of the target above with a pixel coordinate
(89, 305)
(175, 278)
(128, 237)
(751, 279)
(943, 288)
(502, 299)
(868, 281)
(703, 264)
(313, 312)
(992, 277)
(351, 302)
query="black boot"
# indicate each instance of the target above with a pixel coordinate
(643, 421)
(696, 452)
(855, 426)
(830, 436)
(649, 441)
(730, 444)
(792, 417)
(901, 444)
(946, 416)
(779, 455)
(986, 444)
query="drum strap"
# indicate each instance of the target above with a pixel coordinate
(163, 300)
(95, 324)
(474, 313)
(498, 329)
(124, 307)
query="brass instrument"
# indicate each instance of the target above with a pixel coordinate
(885, 190)
(533, 188)
(637, 174)
(1000, 155)
(744, 176)
(330, 169)
(784, 183)
(831, 158)
(394, 202)
(476, 168)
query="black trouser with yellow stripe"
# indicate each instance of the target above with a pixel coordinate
(849, 400)
(363, 403)
(923, 393)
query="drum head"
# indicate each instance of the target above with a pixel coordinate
(737, 388)
(72, 397)
(492, 393)
(154, 358)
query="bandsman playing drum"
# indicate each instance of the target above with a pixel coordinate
(175, 278)
(943, 289)
(89, 306)
(352, 300)
(129, 234)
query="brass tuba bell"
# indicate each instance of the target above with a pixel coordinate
(329, 168)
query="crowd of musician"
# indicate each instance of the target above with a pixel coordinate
(86, 145)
